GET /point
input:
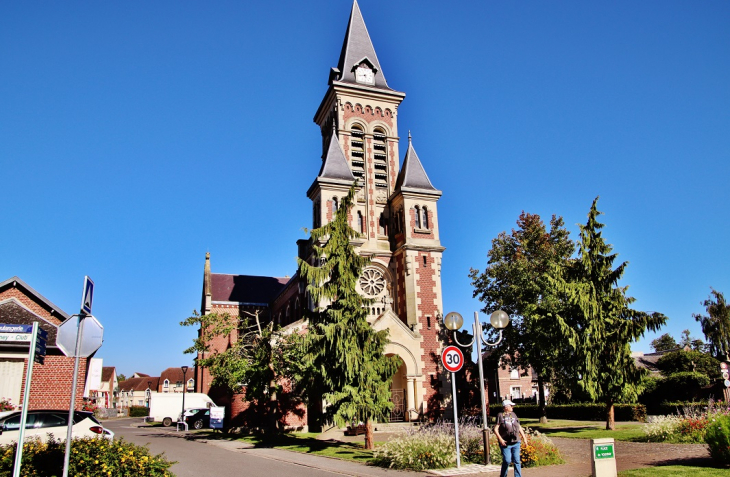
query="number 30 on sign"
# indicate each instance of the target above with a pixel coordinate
(452, 358)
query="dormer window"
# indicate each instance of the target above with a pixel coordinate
(364, 73)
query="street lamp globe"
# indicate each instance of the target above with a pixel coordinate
(453, 321)
(499, 319)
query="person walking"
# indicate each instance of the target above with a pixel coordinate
(509, 435)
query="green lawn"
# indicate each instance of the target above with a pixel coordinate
(675, 470)
(630, 431)
(308, 443)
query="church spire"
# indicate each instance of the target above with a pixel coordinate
(335, 165)
(358, 62)
(412, 174)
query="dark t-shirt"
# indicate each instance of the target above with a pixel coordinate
(509, 427)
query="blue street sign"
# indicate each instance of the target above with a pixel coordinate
(5, 328)
(42, 334)
(88, 296)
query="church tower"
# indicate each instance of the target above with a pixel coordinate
(394, 212)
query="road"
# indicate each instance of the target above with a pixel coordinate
(197, 458)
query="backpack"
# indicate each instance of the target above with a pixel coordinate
(510, 427)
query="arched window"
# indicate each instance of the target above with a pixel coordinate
(360, 223)
(288, 314)
(418, 217)
(514, 373)
(335, 206)
(380, 156)
(166, 386)
(383, 225)
(357, 151)
(191, 384)
(424, 220)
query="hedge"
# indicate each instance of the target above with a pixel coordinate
(676, 407)
(578, 411)
(139, 411)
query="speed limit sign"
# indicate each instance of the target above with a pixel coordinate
(452, 358)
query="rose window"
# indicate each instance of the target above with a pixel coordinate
(372, 282)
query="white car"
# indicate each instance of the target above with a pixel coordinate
(40, 423)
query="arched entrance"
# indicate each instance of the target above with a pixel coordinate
(398, 389)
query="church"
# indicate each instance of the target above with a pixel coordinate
(396, 215)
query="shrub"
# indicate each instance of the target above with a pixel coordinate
(718, 438)
(90, 457)
(688, 361)
(138, 411)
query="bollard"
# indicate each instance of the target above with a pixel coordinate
(603, 458)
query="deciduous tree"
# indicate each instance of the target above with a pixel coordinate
(257, 361)
(515, 280)
(664, 343)
(344, 351)
(716, 325)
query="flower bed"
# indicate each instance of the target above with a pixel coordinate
(433, 447)
(90, 457)
(689, 426)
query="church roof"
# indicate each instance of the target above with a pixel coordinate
(245, 289)
(356, 48)
(412, 174)
(335, 165)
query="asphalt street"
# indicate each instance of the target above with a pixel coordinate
(196, 458)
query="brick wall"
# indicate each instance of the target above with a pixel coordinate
(50, 385)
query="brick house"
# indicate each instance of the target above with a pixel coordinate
(395, 212)
(137, 391)
(507, 381)
(51, 382)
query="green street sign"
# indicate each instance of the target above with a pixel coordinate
(604, 451)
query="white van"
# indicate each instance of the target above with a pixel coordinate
(167, 407)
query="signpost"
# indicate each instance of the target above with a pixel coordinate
(79, 337)
(26, 393)
(453, 359)
(726, 377)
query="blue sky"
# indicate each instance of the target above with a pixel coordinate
(137, 136)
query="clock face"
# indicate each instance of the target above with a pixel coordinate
(365, 75)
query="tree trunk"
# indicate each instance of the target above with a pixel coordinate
(541, 398)
(369, 437)
(610, 423)
(272, 405)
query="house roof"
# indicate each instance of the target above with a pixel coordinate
(107, 373)
(245, 289)
(357, 48)
(30, 292)
(139, 384)
(13, 312)
(412, 174)
(649, 360)
(174, 375)
(335, 165)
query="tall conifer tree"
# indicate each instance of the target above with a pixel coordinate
(345, 352)
(603, 320)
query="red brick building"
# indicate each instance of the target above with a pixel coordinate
(395, 213)
(51, 382)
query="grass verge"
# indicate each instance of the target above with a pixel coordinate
(675, 470)
(307, 443)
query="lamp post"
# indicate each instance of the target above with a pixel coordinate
(185, 372)
(499, 320)
(149, 392)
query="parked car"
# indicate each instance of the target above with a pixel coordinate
(40, 423)
(198, 418)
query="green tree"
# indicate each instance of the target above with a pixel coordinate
(258, 355)
(344, 351)
(664, 343)
(695, 344)
(603, 321)
(716, 326)
(515, 280)
(121, 377)
(689, 361)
